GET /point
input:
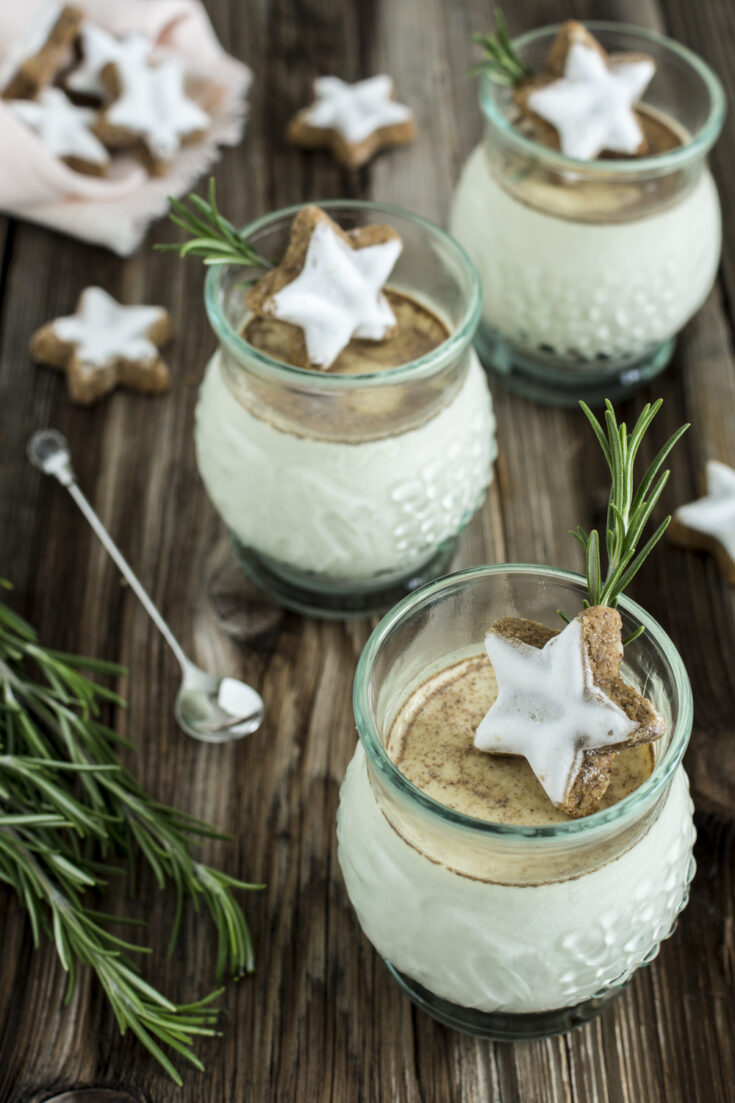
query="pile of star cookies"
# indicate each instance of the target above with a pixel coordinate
(88, 94)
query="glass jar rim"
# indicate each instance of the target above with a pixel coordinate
(675, 159)
(410, 371)
(644, 795)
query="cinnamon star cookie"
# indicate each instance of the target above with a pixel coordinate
(103, 345)
(563, 706)
(64, 129)
(32, 60)
(709, 522)
(353, 121)
(100, 49)
(329, 284)
(150, 109)
(585, 102)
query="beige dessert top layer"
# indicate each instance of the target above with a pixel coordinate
(418, 332)
(431, 743)
(327, 309)
(583, 104)
(326, 306)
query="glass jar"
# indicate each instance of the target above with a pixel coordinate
(502, 931)
(590, 268)
(344, 492)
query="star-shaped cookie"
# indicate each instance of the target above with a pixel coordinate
(709, 522)
(100, 49)
(329, 284)
(150, 107)
(354, 121)
(588, 97)
(563, 706)
(104, 344)
(64, 129)
(32, 60)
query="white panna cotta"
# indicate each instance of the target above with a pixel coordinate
(501, 924)
(345, 509)
(504, 947)
(561, 281)
(344, 430)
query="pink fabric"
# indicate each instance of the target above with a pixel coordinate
(115, 210)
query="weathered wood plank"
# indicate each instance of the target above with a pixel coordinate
(321, 1019)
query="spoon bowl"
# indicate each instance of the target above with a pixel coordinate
(217, 710)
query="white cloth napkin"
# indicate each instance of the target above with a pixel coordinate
(115, 210)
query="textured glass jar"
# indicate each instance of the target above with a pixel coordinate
(504, 931)
(589, 269)
(344, 492)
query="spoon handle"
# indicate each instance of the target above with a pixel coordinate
(49, 451)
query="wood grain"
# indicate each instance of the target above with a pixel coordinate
(321, 1022)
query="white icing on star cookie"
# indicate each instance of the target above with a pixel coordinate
(548, 708)
(103, 331)
(337, 295)
(591, 106)
(100, 48)
(153, 105)
(30, 43)
(714, 515)
(355, 110)
(64, 128)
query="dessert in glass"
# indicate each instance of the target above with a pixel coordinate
(346, 488)
(515, 828)
(592, 263)
(498, 914)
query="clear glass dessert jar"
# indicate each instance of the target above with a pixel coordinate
(510, 931)
(590, 268)
(343, 492)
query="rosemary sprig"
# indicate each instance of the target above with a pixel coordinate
(501, 62)
(67, 806)
(628, 510)
(211, 236)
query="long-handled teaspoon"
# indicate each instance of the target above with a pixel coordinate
(212, 709)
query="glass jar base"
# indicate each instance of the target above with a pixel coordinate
(338, 599)
(499, 1026)
(547, 381)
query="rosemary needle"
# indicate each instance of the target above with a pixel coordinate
(628, 511)
(68, 805)
(501, 62)
(211, 236)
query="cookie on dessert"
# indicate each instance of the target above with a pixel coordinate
(329, 285)
(563, 705)
(105, 344)
(353, 121)
(708, 524)
(34, 59)
(585, 102)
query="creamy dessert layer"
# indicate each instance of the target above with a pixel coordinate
(431, 742)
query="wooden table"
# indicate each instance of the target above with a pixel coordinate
(321, 1019)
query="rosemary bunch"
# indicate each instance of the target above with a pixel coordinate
(211, 236)
(628, 511)
(67, 806)
(501, 63)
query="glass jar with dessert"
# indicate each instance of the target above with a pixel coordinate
(515, 828)
(344, 429)
(588, 206)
